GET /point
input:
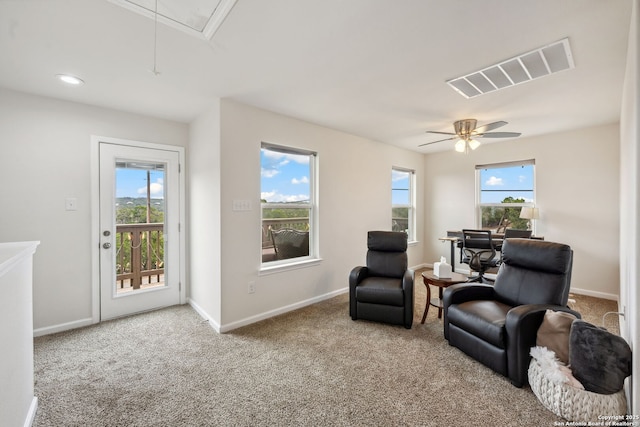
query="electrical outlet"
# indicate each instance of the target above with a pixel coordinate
(252, 287)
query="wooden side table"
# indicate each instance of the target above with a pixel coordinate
(428, 278)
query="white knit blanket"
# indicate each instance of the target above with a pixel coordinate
(572, 403)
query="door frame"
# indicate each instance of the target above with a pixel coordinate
(95, 214)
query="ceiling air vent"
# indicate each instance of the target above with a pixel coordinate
(529, 66)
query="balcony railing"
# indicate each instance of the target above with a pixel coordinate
(139, 254)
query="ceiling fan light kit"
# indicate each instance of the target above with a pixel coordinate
(473, 144)
(463, 145)
(466, 132)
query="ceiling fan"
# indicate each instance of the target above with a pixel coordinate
(466, 133)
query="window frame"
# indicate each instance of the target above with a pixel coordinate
(411, 220)
(312, 206)
(502, 165)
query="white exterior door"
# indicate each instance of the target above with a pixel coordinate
(139, 229)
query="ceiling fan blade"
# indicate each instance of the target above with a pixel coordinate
(497, 135)
(441, 133)
(440, 140)
(489, 126)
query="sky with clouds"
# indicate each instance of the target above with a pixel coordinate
(284, 177)
(400, 194)
(133, 183)
(497, 184)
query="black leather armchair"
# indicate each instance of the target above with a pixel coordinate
(383, 290)
(497, 324)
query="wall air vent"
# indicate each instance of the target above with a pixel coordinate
(529, 66)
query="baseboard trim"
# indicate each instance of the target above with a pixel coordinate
(595, 294)
(215, 325)
(63, 327)
(271, 313)
(420, 267)
(31, 415)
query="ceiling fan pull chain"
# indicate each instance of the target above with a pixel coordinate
(155, 42)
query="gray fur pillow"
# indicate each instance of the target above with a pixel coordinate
(599, 359)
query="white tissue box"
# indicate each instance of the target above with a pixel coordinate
(442, 270)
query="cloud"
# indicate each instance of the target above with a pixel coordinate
(303, 180)
(273, 161)
(156, 188)
(284, 158)
(522, 178)
(494, 181)
(275, 197)
(269, 173)
(267, 195)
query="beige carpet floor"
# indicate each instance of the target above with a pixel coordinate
(311, 367)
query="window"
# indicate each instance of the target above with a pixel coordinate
(403, 201)
(288, 204)
(503, 190)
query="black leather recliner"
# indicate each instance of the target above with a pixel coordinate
(497, 324)
(383, 290)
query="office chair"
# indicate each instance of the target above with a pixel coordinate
(519, 234)
(479, 252)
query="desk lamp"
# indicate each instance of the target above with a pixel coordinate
(530, 214)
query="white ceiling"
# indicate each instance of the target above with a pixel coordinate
(375, 68)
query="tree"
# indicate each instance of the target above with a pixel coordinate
(137, 215)
(494, 216)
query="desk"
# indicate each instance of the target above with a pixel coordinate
(428, 278)
(455, 239)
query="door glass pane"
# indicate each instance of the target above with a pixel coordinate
(140, 211)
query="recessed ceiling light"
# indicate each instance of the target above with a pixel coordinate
(69, 79)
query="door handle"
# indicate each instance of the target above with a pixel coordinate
(106, 245)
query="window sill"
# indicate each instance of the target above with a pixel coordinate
(272, 269)
(413, 243)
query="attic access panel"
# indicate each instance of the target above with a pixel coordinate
(523, 68)
(200, 18)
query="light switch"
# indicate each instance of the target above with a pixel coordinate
(71, 204)
(242, 205)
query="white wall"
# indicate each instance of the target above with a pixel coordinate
(354, 197)
(576, 190)
(630, 204)
(46, 157)
(204, 225)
